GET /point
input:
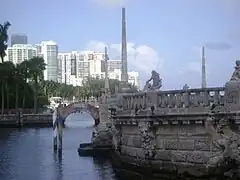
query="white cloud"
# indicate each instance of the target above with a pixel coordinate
(96, 46)
(111, 3)
(141, 58)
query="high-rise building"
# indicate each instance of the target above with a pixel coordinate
(73, 67)
(18, 39)
(114, 64)
(133, 78)
(20, 52)
(49, 52)
(96, 62)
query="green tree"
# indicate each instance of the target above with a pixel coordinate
(23, 69)
(36, 68)
(4, 39)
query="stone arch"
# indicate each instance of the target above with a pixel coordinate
(80, 107)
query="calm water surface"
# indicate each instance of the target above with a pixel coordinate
(27, 154)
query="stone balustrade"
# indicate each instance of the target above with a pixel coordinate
(190, 98)
(180, 131)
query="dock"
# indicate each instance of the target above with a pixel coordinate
(25, 120)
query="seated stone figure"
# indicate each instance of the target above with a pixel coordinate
(236, 73)
(156, 82)
(147, 86)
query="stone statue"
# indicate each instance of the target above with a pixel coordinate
(156, 82)
(185, 87)
(227, 144)
(236, 73)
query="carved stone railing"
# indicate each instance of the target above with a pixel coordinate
(174, 99)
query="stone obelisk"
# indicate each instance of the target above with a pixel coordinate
(106, 84)
(124, 73)
(204, 83)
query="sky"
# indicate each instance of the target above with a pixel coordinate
(162, 35)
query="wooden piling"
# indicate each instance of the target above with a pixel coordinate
(55, 130)
(60, 132)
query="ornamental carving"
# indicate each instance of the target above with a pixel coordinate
(148, 139)
(227, 144)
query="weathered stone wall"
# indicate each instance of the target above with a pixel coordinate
(179, 139)
(181, 129)
(173, 142)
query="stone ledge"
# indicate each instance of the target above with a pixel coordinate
(172, 119)
(183, 169)
(196, 157)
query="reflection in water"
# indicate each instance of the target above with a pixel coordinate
(79, 120)
(28, 154)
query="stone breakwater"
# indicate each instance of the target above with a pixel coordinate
(191, 132)
(190, 144)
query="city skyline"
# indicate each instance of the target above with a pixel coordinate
(167, 37)
(72, 67)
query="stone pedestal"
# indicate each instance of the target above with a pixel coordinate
(124, 88)
(102, 135)
(232, 96)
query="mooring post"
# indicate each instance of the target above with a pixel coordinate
(55, 130)
(17, 118)
(21, 117)
(60, 132)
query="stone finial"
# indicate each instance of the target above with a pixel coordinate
(185, 87)
(236, 73)
(232, 90)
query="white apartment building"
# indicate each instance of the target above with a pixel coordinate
(20, 52)
(114, 68)
(96, 62)
(133, 77)
(74, 67)
(49, 52)
(114, 64)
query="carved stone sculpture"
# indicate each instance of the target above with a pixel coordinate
(227, 144)
(232, 90)
(148, 139)
(101, 137)
(156, 82)
(185, 87)
(236, 73)
(116, 138)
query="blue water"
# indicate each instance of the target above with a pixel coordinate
(27, 154)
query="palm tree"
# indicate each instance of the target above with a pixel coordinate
(4, 39)
(36, 68)
(8, 75)
(2, 85)
(23, 69)
(19, 79)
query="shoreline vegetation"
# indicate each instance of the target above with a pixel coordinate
(23, 86)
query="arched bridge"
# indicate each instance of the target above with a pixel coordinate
(91, 108)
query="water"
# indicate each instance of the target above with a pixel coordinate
(28, 154)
